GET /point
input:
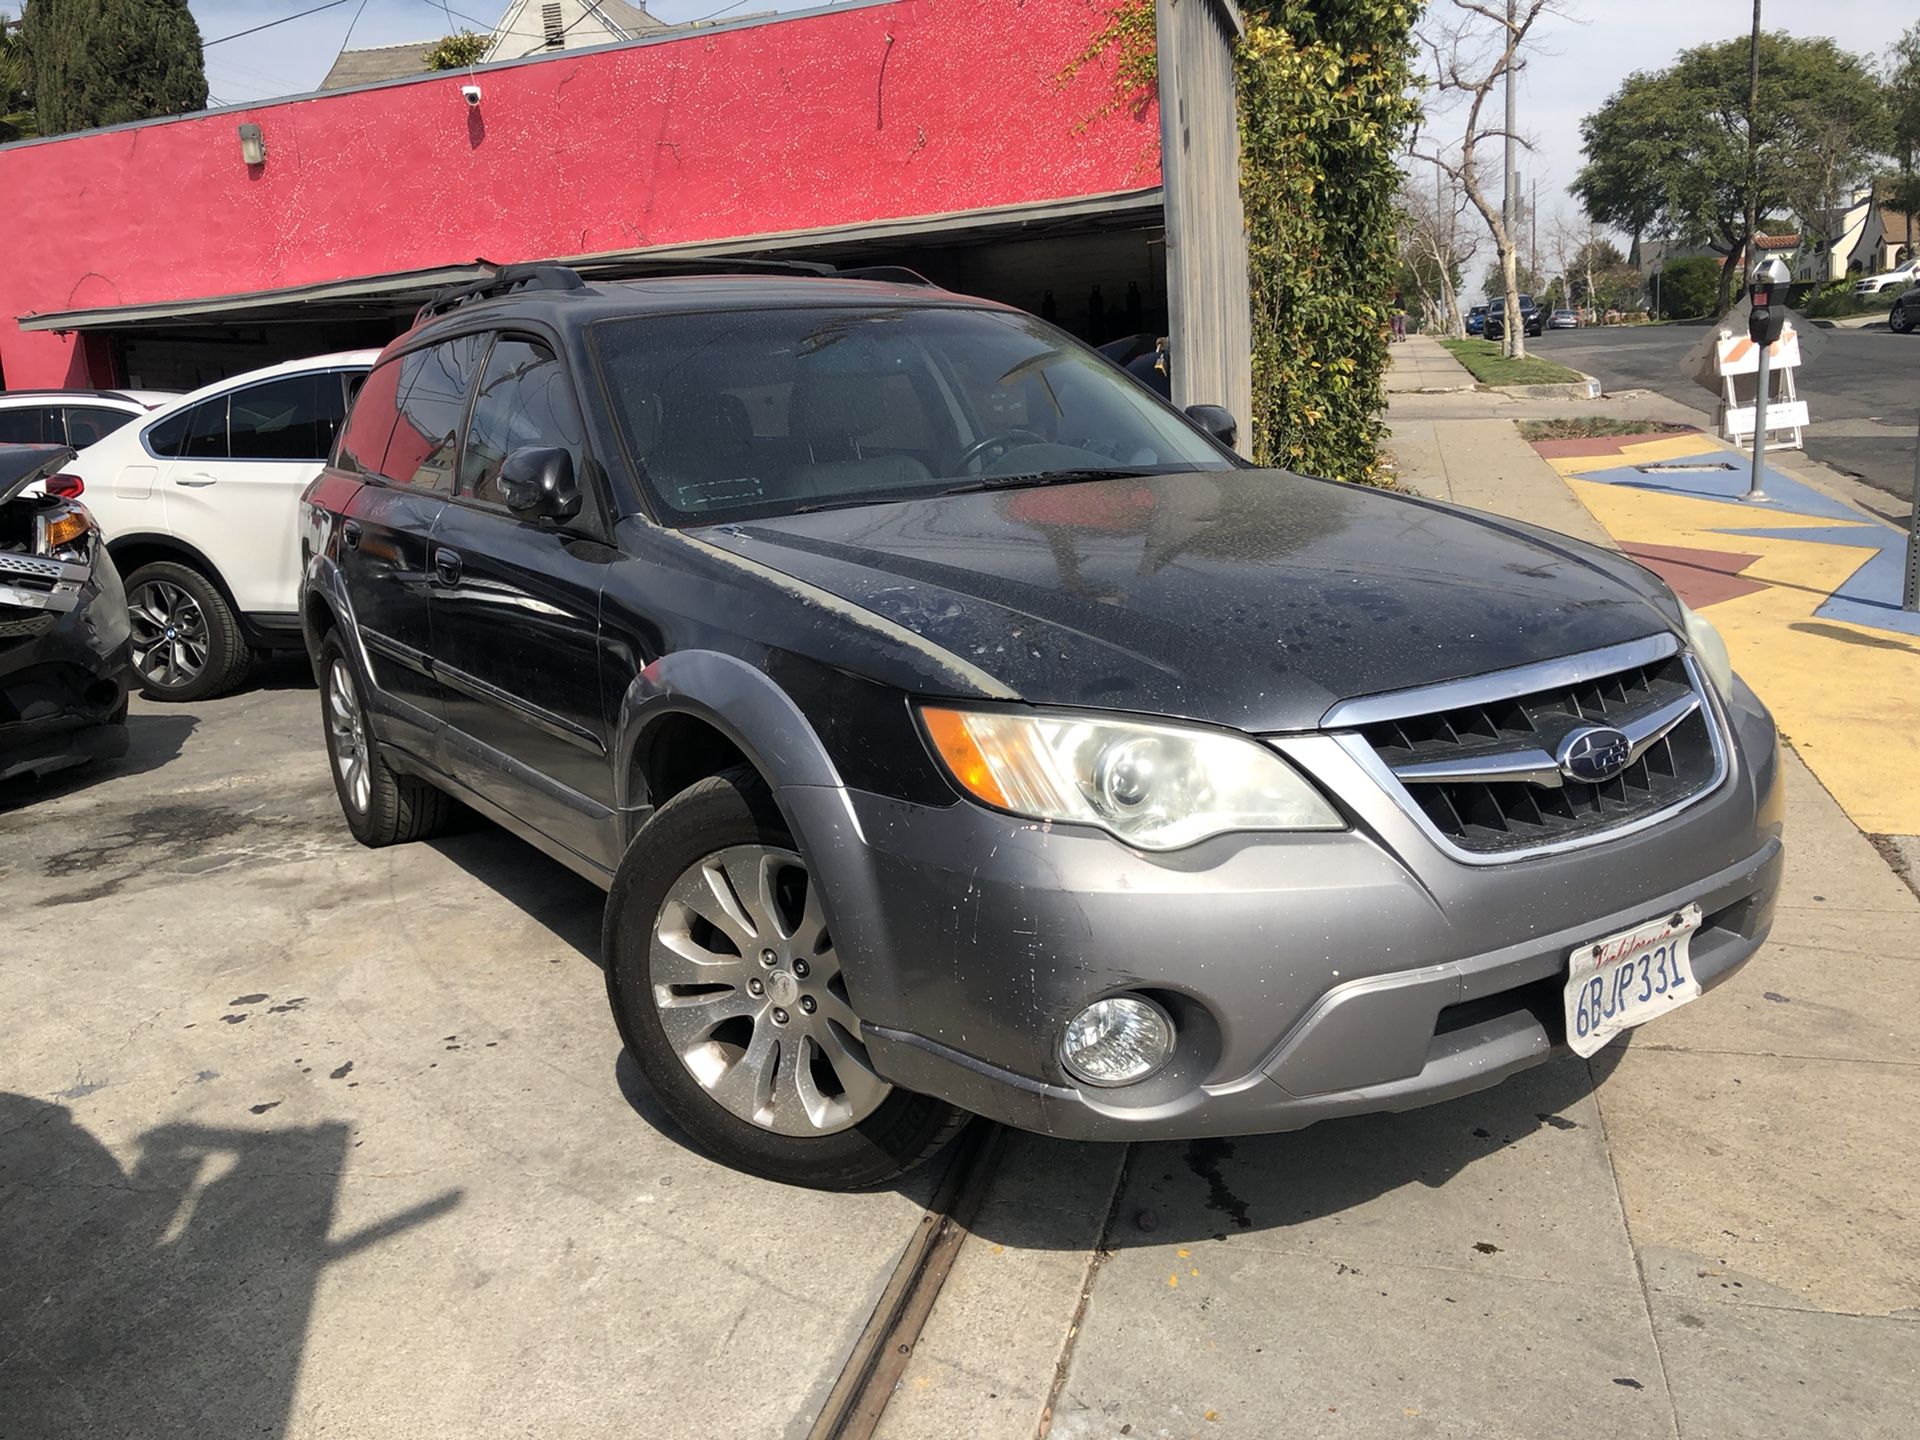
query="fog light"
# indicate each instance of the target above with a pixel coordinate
(1117, 1041)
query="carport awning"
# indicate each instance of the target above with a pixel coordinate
(372, 294)
(400, 291)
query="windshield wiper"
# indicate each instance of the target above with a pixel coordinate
(1063, 477)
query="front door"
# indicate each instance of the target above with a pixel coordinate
(516, 607)
(401, 441)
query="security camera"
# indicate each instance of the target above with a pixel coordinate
(471, 93)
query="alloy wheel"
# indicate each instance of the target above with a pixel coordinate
(749, 994)
(170, 638)
(349, 733)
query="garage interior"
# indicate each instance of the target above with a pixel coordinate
(1096, 268)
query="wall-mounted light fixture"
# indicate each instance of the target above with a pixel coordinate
(253, 145)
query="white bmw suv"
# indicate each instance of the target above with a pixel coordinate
(200, 505)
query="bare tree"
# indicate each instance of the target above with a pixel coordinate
(1435, 247)
(1474, 49)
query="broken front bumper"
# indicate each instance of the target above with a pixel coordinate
(66, 660)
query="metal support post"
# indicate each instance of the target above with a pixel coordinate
(1754, 482)
(1910, 600)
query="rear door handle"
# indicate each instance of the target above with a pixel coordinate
(350, 532)
(446, 564)
(197, 480)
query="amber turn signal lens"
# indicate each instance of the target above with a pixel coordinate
(951, 736)
(65, 530)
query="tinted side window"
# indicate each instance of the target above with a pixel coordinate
(433, 393)
(199, 431)
(25, 425)
(87, 424)
(363, 444)
(294, 418)
(523, 401)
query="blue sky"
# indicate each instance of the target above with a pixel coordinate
(289, 59)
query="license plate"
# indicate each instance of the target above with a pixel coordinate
(1629, 979)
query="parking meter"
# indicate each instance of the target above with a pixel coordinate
(1765, 321)
(1769, 291)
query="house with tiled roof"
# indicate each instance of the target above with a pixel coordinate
(529, 27)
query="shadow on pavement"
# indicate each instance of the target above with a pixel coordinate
(1210, 1189)
(152, 740)
(172, 1300)
(539, 886)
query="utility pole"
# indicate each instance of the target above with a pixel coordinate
(1753, 148)
(1513, 332)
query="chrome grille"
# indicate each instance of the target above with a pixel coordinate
(1483, 770)
(34, 566)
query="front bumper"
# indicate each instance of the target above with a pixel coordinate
(64, 676)
(1308, 976)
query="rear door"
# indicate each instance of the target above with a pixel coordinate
(233, 492)
(401, 441)
(516, 607)
(30, 425)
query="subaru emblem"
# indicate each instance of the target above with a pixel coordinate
(1594, 753)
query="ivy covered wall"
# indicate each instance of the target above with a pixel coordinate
(1326, 99)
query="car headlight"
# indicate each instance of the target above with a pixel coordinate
(1710, 650)
(1157, 787)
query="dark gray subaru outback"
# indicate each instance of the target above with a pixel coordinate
(959, 729)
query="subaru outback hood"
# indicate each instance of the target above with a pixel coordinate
(1250, 598)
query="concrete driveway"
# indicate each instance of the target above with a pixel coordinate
(298, 1138)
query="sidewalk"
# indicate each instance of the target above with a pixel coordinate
(1713, 1231)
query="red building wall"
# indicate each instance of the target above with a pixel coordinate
(888, 111)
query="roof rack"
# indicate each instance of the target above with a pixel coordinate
(887, 274)
(503, 282)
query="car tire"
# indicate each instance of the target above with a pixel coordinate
(382, 806)
(186, 638)
(705, 1074)
(1898, 320)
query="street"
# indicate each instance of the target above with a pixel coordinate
(1862, 388)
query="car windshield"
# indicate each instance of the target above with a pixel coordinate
(733, 414)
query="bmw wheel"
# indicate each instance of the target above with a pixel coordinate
(1899, 318)
(728, 990)
(186, 642)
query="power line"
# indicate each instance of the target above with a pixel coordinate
(348, 37)
(209, 44)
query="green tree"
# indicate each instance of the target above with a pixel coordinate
(16, 86)
(1902, 191)
(457, 51)
(106, 62)
(1526, 280)
(1667, 153)
(1687, 286)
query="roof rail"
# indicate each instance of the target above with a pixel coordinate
(503, 282)
(642, 268)
(888, 274)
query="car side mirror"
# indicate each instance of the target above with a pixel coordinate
(537, 483)
(1217, 421)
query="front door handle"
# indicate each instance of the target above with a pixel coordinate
(446, 565)
(196, 480)
(350, 532)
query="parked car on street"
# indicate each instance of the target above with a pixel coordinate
(959, 728)
(1533, 319)
(1905, 314)
(1477, 320)
(65, 645)
(1899, 278)
(1563, 320)
(200, 508)
(71, 417)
